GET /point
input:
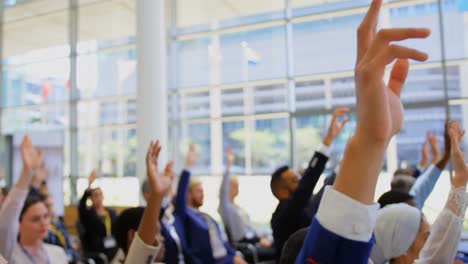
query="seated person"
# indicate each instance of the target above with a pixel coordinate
(236, 220)
(33, 229)
(14, 202)
(137, 229)
(97, 223)
(173, 252)
(341, 232)
(201, 236)
(294, 194)
(58, 234)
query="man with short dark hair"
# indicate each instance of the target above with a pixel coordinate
(294, 193)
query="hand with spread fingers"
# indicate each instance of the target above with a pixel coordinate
(32, 160)
(377, 102)
(230, 157)
(336, 126)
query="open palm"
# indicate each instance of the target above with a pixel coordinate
(159, 183)
(32, 159)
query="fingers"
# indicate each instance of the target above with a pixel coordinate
(389, 53)
(343, 123)
(367, 29)
(398, 76)
(340, 111)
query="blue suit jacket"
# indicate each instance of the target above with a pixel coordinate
(322, 246)
(193, 229)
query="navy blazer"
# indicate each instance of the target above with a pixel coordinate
(291, 215)
(193, 229)
(322, 246)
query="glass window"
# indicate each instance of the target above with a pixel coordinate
(309, 7)
(107, 74)
(130, 147)
(35, 30)
(271, 98)
(198, 134)
(343, 92)
(97, 113)
(203, 15)
(318, 45)
(308, 135)
(270, 145)
(54, 117)
(310, 95)
(106, 23)
(232, 102)
(101, 149)
(37, 83)
(242, 56)
(234, 137)
(195, 105)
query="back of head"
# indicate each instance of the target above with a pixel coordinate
(293, 246)
(277, 180)
(402, 183)
(394, 197)
(395, 231)
(126, 221)
(403, 171)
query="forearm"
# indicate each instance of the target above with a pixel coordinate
(181, 196)
(224, 189)
(9, 215)
(149, 225)
(360, 169)
(441, 163)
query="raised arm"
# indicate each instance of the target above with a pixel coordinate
(379, 118)
(9, 214)
(82, 208)
(180, 206)
(301, 196)
(442, 243)
(149, 229)
(424, 185)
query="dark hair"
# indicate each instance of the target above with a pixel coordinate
(128, 220)
(402, 183)
(30, 201)
(401, 171)
(293, 246)
(145, 188)
(277, 179)
(394, 197)
(5, 191)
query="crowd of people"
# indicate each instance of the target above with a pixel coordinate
(340, 224)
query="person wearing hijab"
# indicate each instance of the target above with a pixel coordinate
(403, 235)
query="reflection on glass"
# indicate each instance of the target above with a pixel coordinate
(98, 113)
(242, 56)
(270, 99)
(38, 83)
(310, 95)
(232, 102)
(35, 118)
(107, 74)
(234, 137)
(196, 105)
(130, 148)
(270, 145)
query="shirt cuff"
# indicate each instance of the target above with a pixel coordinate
(324, 149)
(140, 252)
(347, 217)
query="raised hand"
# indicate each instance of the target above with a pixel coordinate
(32, 159)
(335, 127)
(378, 103)
(229, 157)
(458, 158)
(159, 183)
(432, 139)
(191, 157)
(424, 155)
(92, 177)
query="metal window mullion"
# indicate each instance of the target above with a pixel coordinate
(73, 111)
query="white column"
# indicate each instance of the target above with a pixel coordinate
(152, 80)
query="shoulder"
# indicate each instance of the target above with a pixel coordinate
(56, 253)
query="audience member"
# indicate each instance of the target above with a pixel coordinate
(58, 234)
(97, 223)
(200, 234)
(341, 232)
(11, 209)
(294, 194)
